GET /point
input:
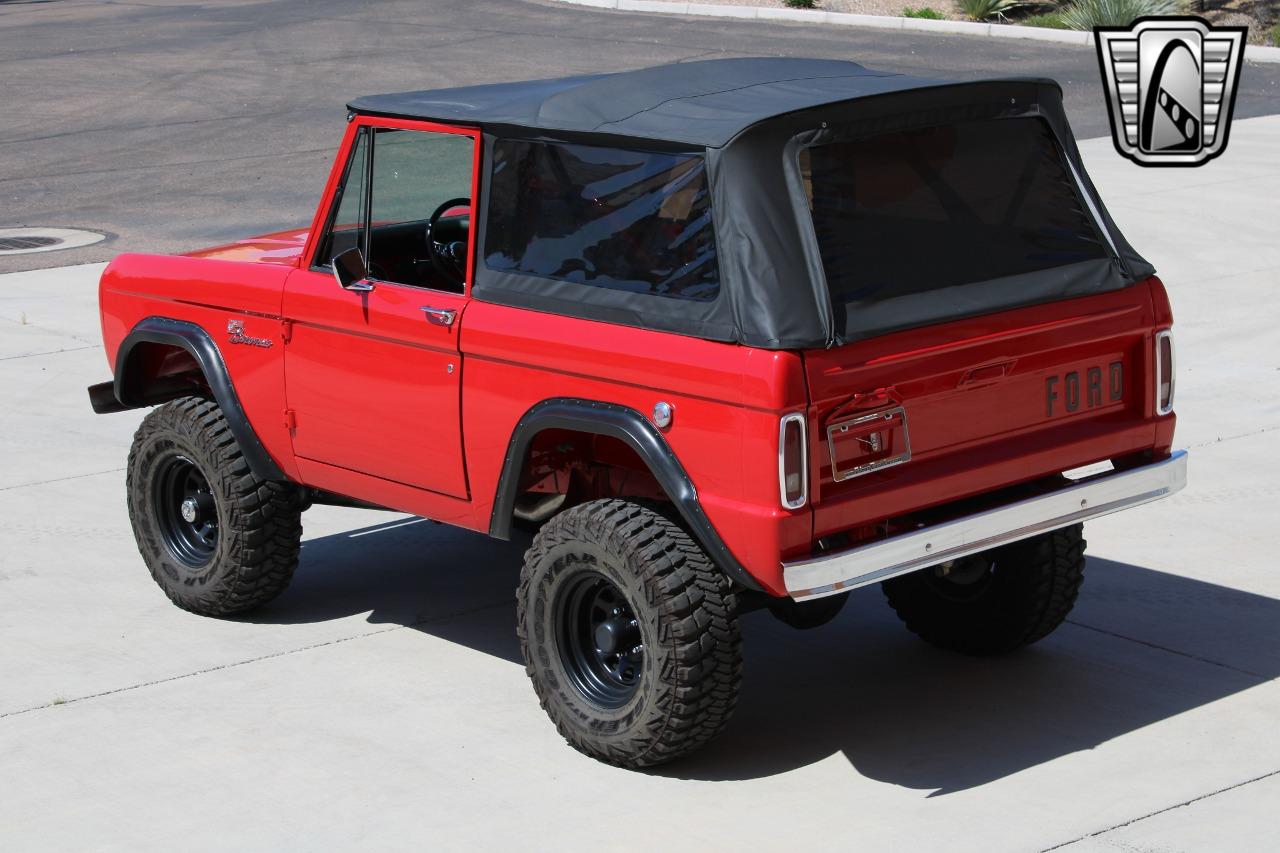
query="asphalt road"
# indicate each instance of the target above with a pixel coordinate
(175, 125)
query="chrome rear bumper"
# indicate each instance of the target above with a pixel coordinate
(929, 546)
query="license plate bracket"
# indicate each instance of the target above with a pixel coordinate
(868, 442)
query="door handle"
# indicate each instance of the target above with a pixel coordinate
(439, 316)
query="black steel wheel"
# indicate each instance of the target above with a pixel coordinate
(600, 643)
(215, 538)
(186, 511)
(629, 634)
(996, 601)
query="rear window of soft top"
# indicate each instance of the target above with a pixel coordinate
(920, 210)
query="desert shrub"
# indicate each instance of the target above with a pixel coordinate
(1087, 14)
(981, 10)
(1048, 20)
(923, 12)
(1275, 35)
(800, 4)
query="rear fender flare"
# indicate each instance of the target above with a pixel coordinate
(634, 430)
(196, 341)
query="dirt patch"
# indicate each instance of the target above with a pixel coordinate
(1258, 15)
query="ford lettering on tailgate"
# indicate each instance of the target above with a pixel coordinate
(1091, 388)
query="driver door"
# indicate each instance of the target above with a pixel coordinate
(372, 370)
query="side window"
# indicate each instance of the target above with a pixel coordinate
(406, 204)
(420, 223)
(636, 221)
(346, 228)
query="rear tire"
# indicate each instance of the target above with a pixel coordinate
(216, 539)
(629, 634)
(996, 601)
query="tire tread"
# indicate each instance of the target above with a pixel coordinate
(1038, 589)
(263, 519)
(697, 696)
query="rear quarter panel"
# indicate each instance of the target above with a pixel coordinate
(727, 401)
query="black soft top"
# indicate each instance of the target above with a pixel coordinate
(705, 103)
(749, 119)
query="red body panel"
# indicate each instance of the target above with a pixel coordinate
(209, 293)
(391, 409)
(373, 386)
(282, 247)
(975, 393)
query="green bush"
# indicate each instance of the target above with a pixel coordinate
(1087, 14)
(1275, 35)
(923, 12)
(800, 4)
(1049, 20)
(981, 10)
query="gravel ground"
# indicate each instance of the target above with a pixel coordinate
(1258, 15)
(891, 8)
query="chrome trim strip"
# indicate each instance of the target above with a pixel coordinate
(858, 470)
(798, 418)
(1173, 375)
(1094, 212)
(1090, 498)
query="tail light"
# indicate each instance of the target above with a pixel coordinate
(793, 461)
(1164, 372)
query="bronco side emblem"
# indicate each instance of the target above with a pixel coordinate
(1171, 88)
(235, 332)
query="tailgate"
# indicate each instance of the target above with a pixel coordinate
(915, 419)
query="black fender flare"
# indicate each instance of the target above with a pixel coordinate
(195, 340)
(634, 430)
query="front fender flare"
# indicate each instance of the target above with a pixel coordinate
(633, 429)
(195, 340)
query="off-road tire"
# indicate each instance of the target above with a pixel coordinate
(807, 615)
(1027, 592)
(687, 619)
(259, 524)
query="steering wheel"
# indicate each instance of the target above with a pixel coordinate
(449, 257)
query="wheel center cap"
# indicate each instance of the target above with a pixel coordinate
(607, 637)
(190, 510)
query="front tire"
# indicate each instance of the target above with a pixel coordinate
(629, 634)
(996, 601)
(215, 538)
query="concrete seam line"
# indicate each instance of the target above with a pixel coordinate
(1255, 53)
(1262, 678)
(233, 664)
(52, 351)
(60, 479)
(1161, 811)
(1222, 438)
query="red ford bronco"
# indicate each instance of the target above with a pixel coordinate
(730, 334)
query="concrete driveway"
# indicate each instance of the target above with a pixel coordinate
(380, 702)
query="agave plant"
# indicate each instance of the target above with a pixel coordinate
(1087, 14)
(981, 10)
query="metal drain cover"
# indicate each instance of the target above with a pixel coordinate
(21, 241)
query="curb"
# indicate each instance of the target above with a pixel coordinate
(1254, 53)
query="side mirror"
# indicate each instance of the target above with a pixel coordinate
(350, 271)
